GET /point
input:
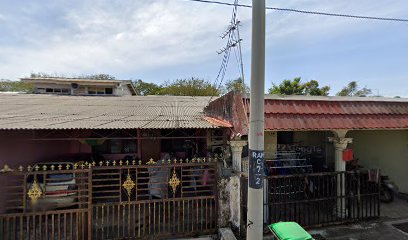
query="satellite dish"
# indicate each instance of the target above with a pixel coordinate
(74, 85)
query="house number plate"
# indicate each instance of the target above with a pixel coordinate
(256, 165)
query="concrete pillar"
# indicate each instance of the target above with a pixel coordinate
(340, 144)
(236, 149)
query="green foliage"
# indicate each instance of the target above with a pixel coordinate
(236, 85)
(189, 87)
(15, 86)
(99, 76)
(296, 87)
(145, 88)
(44, 75)
(311, 88)
(353, 90)
(288, 87)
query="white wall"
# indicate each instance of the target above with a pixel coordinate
(270, 144)
(122, 90)
(383, 149)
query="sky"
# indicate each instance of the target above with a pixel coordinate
(163, 40)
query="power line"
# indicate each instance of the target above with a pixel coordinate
(231, 42)
(308, 12)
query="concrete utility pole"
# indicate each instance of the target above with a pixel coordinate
(256, 127)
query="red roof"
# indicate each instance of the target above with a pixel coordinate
(310, 113)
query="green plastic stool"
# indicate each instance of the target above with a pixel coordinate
(289, 231)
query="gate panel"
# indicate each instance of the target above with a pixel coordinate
(144, 219)
(60, 224)
(161, 199)
(46, 202)
(313, 199)
(110, 200)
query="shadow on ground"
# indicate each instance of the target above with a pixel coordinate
(394, 219)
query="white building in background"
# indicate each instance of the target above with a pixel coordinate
(80, 86)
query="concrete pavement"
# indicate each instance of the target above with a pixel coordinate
(363, 231)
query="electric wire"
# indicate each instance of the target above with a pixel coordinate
(308, 12)
(224, 64)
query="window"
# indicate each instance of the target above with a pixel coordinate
(100, 91)
(91, 90)
(54, 90)
(117, 146)
(108, 91)
(40, 90)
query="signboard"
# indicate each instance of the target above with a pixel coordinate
(256, 171)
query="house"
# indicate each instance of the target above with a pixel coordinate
(308, 141)
(375, 128)
(143, 166)
(81, 86)
(94, 160)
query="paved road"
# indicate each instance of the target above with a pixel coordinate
(363, 231)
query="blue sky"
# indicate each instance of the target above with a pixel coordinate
(159, 40)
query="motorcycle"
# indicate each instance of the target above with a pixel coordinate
(388, 189)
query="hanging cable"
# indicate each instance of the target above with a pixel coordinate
(231, 42)
(308, 12)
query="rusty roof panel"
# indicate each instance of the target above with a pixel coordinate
(323, 113)
(328, 122)
(338, 107)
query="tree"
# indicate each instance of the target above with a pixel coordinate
(296, 87)
(189, 87)
(311, 88)
(43, 75)
(236, 85)
(352, 90)
(288, 87)
(145, 88)
(99, 76)
(15, 86)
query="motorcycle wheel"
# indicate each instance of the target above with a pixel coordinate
(386, 195)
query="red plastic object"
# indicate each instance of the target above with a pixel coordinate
(348, 155)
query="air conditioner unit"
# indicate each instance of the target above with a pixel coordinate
(74, 85)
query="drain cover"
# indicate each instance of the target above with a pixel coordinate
(402, 226)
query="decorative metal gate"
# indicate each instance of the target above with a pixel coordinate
(111, 200)
(164, 198)
(313, 199)
(46, 202)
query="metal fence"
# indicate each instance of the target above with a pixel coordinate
(110, 200)
(318, 199)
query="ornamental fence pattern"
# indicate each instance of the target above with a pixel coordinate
(110, 199)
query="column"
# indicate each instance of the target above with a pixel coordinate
(236, 149)
(340, 144)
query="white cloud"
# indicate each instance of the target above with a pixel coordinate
(131, 36)
(282, 25)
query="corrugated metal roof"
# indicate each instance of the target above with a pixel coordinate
(330, 122)
(28, 111)
(334, 98)
(309, 113)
